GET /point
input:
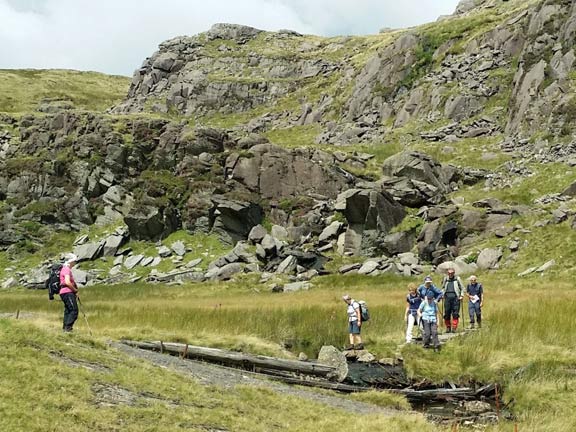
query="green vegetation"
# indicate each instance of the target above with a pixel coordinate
(22, 90)
(53, 382)
(526, 344)
(296, 136)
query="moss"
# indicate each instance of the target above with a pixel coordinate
(17, 165)
(38, 208)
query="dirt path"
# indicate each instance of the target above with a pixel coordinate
(209, 374)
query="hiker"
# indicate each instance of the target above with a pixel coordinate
(475, 293)
(354, 323)
(411, 314)
(69, 293)
(428, 287)
(453, 292)
(428, 314)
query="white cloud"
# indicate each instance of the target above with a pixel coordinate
(115, 36)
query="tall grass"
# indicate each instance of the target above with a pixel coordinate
(527, 342)
(44, 387)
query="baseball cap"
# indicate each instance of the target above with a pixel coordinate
(427, 279)
(346, 297)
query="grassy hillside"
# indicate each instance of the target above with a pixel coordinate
(22, 90)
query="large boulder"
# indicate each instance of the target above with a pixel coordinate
(233, 220)
(489, 258)
(330, 356)
(424, 180)
(275, 173)
(370, 214)
(152, 223)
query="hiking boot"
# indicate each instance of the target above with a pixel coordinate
(426, 346)
(471, 325)
(449, 330)
(360, 346)
(348, 347)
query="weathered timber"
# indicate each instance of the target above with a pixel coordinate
(463, 393)
(247, 361)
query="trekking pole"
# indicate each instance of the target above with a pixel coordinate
(85, 317)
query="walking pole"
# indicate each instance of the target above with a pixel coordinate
(84, 315)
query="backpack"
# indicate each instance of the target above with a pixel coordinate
(364, 310)
(53, 282)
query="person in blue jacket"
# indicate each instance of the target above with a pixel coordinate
(429, 287)
(428, 313)
(475, 293)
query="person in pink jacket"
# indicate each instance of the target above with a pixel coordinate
(69, 293)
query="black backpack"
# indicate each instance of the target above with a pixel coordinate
(53, 281)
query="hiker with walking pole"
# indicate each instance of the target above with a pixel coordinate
(453, 291)
(69, 293)
(475, 293)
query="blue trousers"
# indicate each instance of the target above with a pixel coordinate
(474, 309)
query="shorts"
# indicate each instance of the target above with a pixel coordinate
(353, 327)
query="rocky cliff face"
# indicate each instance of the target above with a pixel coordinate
(237, 128)
(453, 70)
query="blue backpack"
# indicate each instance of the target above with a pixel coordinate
(364, 312)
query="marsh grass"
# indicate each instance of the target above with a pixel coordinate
(527, 343)
(40, 390)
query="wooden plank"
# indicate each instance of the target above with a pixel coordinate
(248, 361)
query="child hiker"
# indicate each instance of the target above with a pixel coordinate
(413, 301)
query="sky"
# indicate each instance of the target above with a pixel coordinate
(115, 36)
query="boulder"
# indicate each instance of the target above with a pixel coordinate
(132, 261)
(546, 266)
(399, 242)
(330, 232)
(80, 276)
(233, 220)
(349, 267)
(370, 215)
(287, 266)
(112, 244)
(296, 286)
(204, 140)
(88, 251)
(224, 273)
(489, 258)
(179, 248)
(11, 282)
(257, 234)
(279, 232)
(368, 267)
(164, 251)
(419, 167)
(152, 223)
(330, 356)
(276, 173)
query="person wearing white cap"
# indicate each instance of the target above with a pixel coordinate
(68, 293)
(354, 323)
